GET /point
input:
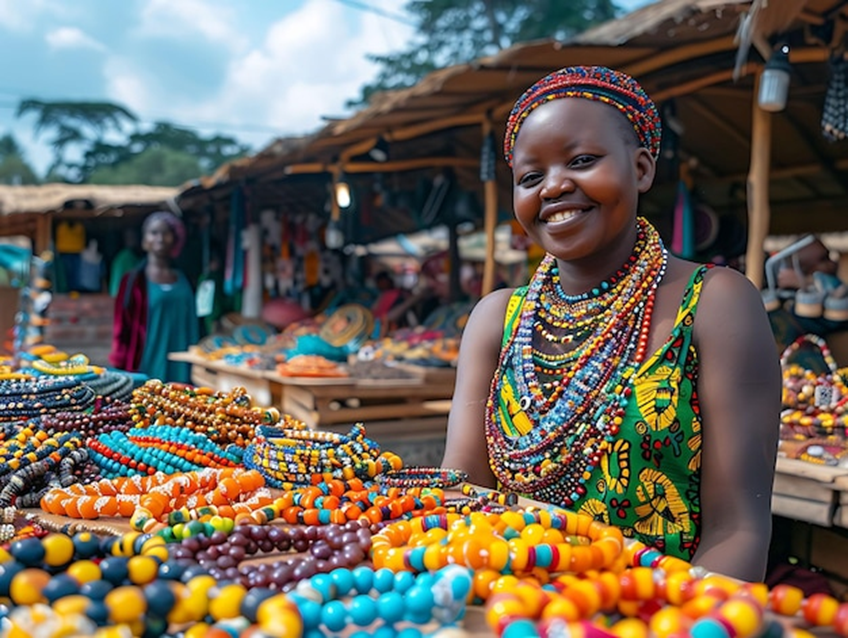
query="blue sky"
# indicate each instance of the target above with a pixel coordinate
(255, 69)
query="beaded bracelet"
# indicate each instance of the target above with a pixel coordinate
(507, 499)
(423, 477)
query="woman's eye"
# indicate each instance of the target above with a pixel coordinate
(583, 160)
(528, 179)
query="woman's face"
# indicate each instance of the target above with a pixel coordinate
(578, 170)
(159, 238)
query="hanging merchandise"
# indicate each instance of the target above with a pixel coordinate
(234, 273)
(683, 239)
(835, 111)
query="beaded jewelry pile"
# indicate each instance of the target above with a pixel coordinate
(224, 417)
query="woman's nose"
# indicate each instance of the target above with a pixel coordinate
(556, 184)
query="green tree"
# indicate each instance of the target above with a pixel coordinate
(456, 31)
(91, 142)
(161, 166)
(210, 151)
(14, 168)
(75, 123)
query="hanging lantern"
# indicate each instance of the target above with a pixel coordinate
(774, 82)
(835, 111)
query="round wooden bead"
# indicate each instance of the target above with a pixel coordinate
(785, 600)
(668, 622)
(820, 610)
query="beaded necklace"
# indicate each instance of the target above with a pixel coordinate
(561, 386)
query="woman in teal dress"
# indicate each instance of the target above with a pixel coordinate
(155, 307)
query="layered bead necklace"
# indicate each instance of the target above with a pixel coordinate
(562, 381)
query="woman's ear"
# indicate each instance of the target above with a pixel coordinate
(646, 169)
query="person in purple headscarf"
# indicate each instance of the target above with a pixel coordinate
(155, 306)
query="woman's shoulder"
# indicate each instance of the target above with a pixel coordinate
(487, 317)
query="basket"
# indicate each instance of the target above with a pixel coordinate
(814, 402)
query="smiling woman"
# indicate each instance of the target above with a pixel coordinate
(613, 384)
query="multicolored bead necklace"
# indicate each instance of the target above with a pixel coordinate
(561, 386)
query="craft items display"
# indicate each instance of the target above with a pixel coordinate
(311, 365)
(813, 422)
(224, 417)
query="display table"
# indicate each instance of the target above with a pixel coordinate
(330, 403)
(812, 493)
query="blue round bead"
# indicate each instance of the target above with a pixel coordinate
(363, 579)
(343, 580)
(706, 627)
(334, 615)
(403, 582)
(384, 580)
(390, 607)
(521, 628)
(363, 610)
(419, 599)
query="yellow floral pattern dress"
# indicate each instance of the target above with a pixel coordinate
(649, 483)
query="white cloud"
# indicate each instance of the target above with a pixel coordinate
(16, 15)
(308, 64)
(71, 38)
(176, 18)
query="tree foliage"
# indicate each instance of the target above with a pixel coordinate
(455, 31)
(160, 166)
(102, 142)
(14, 169)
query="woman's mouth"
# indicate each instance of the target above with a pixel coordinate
(562, 216)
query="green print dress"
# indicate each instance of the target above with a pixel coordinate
(648, 483)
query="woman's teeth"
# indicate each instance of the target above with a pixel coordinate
(562, 216)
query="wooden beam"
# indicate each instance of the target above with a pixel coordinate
(685, 88)
(384, 167)
(677, 55)
(758, 191)
(490, 221)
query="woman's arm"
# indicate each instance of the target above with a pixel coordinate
(739, 392)
(478, 358)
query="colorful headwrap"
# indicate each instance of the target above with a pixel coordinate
(176, 225)
(592, 83)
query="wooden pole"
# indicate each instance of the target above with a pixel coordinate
(490, 221)
(758, 190)
(43, 227)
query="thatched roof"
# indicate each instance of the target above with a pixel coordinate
(683, 51)
(80, 199)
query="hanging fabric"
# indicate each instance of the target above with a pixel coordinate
(683, 238)
(234, 274)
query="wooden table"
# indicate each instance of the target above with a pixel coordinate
(335, 403)
(812, 493)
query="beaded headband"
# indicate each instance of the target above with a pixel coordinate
(596, 83)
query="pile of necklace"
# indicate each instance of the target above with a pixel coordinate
(105, 416)
(561, 388)
(158, 497)
(288, 457)
(28, 398)
(159, 448)
(224, 417)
